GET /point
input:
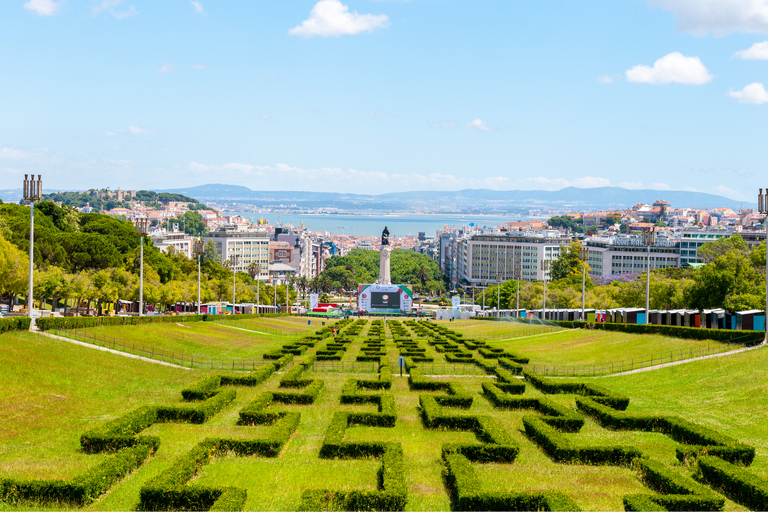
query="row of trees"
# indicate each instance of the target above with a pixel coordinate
(361, 266)
(733, 278)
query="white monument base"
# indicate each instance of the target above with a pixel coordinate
(384, 275)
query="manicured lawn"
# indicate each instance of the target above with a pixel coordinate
(51, 392)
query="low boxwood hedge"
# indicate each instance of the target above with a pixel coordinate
(739, 484)
(16, 323)
(82, 322)
(673, 331)
(677, 492)
(597, 393)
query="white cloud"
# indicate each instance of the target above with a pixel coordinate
(331, 18)
(659, 186)
(722, 190)
(479, 125)
(198, 66)
(719, 17)
(110, 6)
(166, 68)
(109, 134)
(138, 131)
(11, 153)
(445, 125)
(198, 6)
(672, 68)
(631, 185)
(753, 93)
(608, 79)
(265, 117)
(591, 182)
(42, 7)
(758, 51)
(378, 113)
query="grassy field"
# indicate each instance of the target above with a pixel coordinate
(51, 391)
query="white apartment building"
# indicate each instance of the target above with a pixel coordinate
(248, 246)
(620, 254)
(176, 241)
(495, 258)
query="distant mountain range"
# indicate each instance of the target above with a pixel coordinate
(463, 200)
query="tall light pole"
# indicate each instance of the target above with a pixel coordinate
(649, 239)
(199, 249)
(518, 277)
(33, 191)
(762, 206)
(234, 259)
(544, 269)
(142, 226)
(583, 256)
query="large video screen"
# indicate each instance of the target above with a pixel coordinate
(385, 300)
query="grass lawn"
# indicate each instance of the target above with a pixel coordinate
(586, 346)
(51, 392)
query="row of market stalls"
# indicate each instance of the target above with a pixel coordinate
(750, 320)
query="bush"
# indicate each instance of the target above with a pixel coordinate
(82, 489)
(678, 492)
(700, 439)
(308, 396)
(82, 322)
(121, 432)
(597, 393)
(202, 390)
(555, 415)
(17, 323)
(199, 413)
(560, 449)
(739, 484)
(249, 379)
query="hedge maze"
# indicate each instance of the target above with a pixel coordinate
(470, 416)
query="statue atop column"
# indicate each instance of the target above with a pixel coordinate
(384, 274)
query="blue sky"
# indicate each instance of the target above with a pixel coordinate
(383, 96)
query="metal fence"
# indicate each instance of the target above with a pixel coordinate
(200, 361)
(627, 365)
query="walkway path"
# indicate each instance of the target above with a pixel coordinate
(684, 361)
(103, 349)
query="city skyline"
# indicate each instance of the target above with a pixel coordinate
(385, 96)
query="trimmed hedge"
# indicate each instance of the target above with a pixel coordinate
(81, 322)
(308, 396)
(700, 439)
(199, 413)
(82, 489)
(555, 415)
(250, 379)
(458, 397)
(465, 487)
(17, 323)
(202, 390)
(739, 484)
(678, 492)
(560, 449)
(597, 393)
(121, 432)
(673, 331)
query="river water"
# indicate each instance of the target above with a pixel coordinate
(372, 225)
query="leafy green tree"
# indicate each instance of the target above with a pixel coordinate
(730, 281)
(567, 263)
(13, 270)
(710, 251)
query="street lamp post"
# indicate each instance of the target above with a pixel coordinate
(33, 191)
(583, 256)
(649, 239)
(199, 249)
(544, 269)
(234, 259)
(762, 206)
(518, 277)
(142, 226)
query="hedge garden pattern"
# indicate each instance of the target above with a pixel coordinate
(711, 466)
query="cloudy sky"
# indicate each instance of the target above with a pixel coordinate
(376, 96)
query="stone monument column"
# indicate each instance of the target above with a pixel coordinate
(384, 275)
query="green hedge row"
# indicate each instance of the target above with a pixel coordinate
(82, 322)
(739, 484)
(17, 323)
(82, 489)
(249, 379)
(458, 397)
(597, 393)
(510, 364)
(202, 390)
(560, 449)
(293, 378)
(673, 331)
(497, 445)
(700, 439)
(467, 495)
(198, 413)
(507, 376)
(121, 432)
(677, 492)
(307, 396)
(554, 414)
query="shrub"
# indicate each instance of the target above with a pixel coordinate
(673, 331)
(17, 323)
(199, 413)
(597, 393)
(121, 432)
(739, 484)
(249, 379)
(202, 390)
(308, 396)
